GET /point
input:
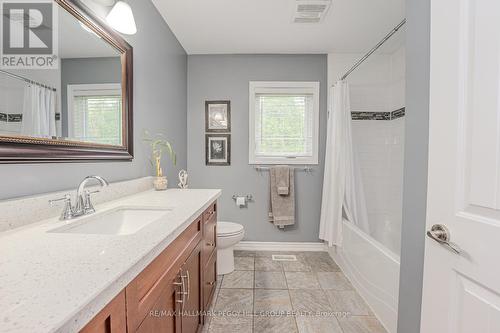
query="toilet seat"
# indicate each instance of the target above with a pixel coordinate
(229, 229)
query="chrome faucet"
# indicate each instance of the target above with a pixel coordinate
(83, 201)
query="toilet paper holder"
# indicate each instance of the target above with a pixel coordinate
(248, 197)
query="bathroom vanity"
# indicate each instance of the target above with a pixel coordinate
(60, 277)
(172, 292)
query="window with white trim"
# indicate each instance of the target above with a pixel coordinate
(95, 113)
(284, 122)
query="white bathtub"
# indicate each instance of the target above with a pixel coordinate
(373, 270)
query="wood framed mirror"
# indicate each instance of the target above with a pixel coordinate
(79, 111)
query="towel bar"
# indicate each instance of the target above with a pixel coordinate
(265, 168)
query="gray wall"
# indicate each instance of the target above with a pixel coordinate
(215, 77)
(86, 71)
(160, 72)
(416, 155)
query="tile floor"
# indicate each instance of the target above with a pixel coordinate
(310, 295)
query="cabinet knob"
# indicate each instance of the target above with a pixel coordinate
(210, 244)
(211, 283)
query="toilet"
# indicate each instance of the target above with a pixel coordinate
(228, 235)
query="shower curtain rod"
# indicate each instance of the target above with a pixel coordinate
(15, 76)
(375, 48)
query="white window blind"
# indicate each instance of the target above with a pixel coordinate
(98, 119)
(284, 122)
(283, 125)
(95, 113)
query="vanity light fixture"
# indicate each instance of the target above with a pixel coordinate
(122, 19)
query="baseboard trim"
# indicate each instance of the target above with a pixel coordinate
(280, 246)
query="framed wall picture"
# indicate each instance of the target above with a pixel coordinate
(217, 149)
(217, 116)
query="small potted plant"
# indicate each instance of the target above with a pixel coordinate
(159, 145)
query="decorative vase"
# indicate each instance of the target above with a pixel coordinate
(160, 183)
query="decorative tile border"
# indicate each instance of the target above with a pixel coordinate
(357, 115)
(398, 113)
(18, 117)
(362, 115)
(14, 117)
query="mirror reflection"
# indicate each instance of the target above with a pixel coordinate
(79, 101)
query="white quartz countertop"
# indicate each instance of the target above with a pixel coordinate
(57, 282)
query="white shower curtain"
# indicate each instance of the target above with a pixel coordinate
(39, 112)
(342, 186)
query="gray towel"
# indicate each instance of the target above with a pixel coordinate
(282, 176)
(281, 207)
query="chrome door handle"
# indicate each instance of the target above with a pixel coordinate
(182, 292)
(186, 277)
(441, 234)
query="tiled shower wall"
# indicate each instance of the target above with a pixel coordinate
(377, 89)
(380, 147)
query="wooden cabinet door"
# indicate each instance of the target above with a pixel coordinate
(209, 237)
(209, 255)
(191, 272)
(111, 319)
(209, 281)
(157, 279)
(164, 316)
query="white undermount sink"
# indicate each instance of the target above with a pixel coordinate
(117, 221)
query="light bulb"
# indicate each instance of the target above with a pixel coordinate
(121, 18)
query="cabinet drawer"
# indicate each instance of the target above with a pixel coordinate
(210, 280)
(209, 212)
(146, 288)
(209, 238)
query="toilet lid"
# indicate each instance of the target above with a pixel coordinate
(228, 228)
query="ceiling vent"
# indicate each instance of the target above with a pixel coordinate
(310, 11)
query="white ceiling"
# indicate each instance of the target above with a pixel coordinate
(265, 26)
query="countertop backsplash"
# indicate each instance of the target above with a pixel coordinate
(22, 211)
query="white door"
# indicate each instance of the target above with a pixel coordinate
(462, 291)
